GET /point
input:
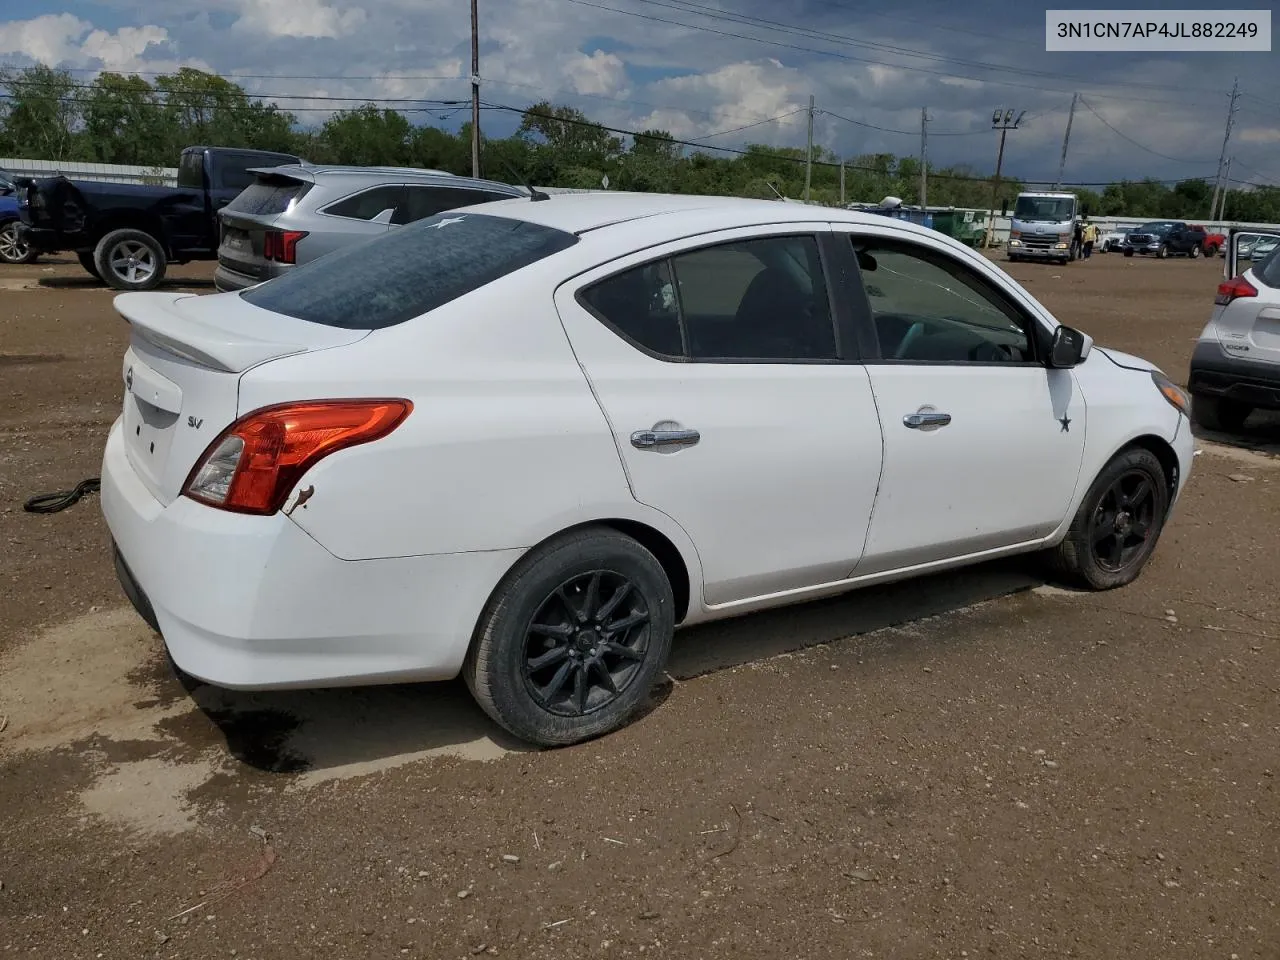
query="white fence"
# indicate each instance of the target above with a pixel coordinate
(80, 170)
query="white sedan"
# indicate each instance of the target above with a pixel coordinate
(525, 441)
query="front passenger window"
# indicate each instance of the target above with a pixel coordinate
(929, 308)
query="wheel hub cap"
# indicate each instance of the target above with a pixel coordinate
(1124, 523)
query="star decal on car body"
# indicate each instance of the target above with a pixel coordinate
(1066, 423)
(446, 221)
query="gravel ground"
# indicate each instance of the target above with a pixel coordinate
(978, 764)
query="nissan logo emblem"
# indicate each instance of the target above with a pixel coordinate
(128, 379)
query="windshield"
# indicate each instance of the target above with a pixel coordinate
(1046, 209)
(5, 182)
(408, 272)
(1156, 226)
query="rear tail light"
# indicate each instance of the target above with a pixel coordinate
(1233, 290)
(282, 245)
(253, 465)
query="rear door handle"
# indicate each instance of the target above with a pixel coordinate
(917, 420)
(646, 439)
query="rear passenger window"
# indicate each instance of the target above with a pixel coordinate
(422, 202)
(367, 204)
(762, 299)
(640, 304)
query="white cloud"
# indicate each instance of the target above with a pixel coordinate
(600, 74)
(56, 39)
(313, 19)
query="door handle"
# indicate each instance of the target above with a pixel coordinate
(646, 439)
(917, 420)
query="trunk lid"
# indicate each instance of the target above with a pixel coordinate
(244, 222)
(182, 373)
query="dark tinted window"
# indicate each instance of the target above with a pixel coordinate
(640, 304)
(233, 173)
(191, 171)
(265, 197)
(367, 204)
(756, 300)
(930, 308)
(752, 300)
(422, 201)
(407, 272)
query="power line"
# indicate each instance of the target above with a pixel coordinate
(748, 126)
(843, 56)
(907, 133)
(731, 16)
(1124, 136)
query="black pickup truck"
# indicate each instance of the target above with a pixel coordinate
(1165, 238)
(128, 234)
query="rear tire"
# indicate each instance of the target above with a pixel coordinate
(1215, 413)
(1118, 524)
(571, 642)
(130, 260)
(1195, 252)
(86, 261)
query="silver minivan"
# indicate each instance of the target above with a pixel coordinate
(295, 213)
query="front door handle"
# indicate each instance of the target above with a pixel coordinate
(646, 439)
(917, 420)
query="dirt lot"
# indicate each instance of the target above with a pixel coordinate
(976, 765)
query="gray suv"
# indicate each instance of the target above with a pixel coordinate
(295, 213)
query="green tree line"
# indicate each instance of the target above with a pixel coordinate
(47, 114)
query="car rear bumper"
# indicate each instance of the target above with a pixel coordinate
(226, 279)
(1215, 373)
(249, 602)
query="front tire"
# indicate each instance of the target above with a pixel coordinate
(12, 248)
(1163, 252)
(130, 260)
(1215, 413)
(1128, 253)
(573, 639)
(1118, 524)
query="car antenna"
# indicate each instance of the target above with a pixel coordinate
(534, 193)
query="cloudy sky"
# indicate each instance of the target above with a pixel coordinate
(700, 67)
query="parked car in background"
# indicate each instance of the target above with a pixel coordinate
(1213, 242)
(1235, 367)
(501, 441)
(12, 247)
(1164, 238)
(127, 234)
(293, 214)
(1112, 239)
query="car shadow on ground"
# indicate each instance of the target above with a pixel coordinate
(1260, 434)
(88, 282)
(356, 730)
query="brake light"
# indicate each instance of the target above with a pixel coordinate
(282, 245)
(1233, 290)
(253, 465)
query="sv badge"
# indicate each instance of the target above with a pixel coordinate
(194, 422)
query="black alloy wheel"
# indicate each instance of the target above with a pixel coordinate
(585, 645)
(1123, 521)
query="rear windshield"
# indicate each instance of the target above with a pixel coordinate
(191, 170)
(409, 271)
(266, 197)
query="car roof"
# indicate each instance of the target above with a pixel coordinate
(583, 212)
(315, 173)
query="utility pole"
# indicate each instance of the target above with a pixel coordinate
(475, 90)
(808, 158)
(842, 181)
(924, 159)
(1226, 137)
(1226, 188)
(1002, 120)
(1062, 164)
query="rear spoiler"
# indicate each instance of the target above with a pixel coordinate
(155, 317)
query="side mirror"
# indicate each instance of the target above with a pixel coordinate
(1085, 213)
(1067, 348)
(1004, 208)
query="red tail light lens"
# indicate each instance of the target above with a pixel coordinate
(282, 245)
(253, 465)
(1233, 290)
